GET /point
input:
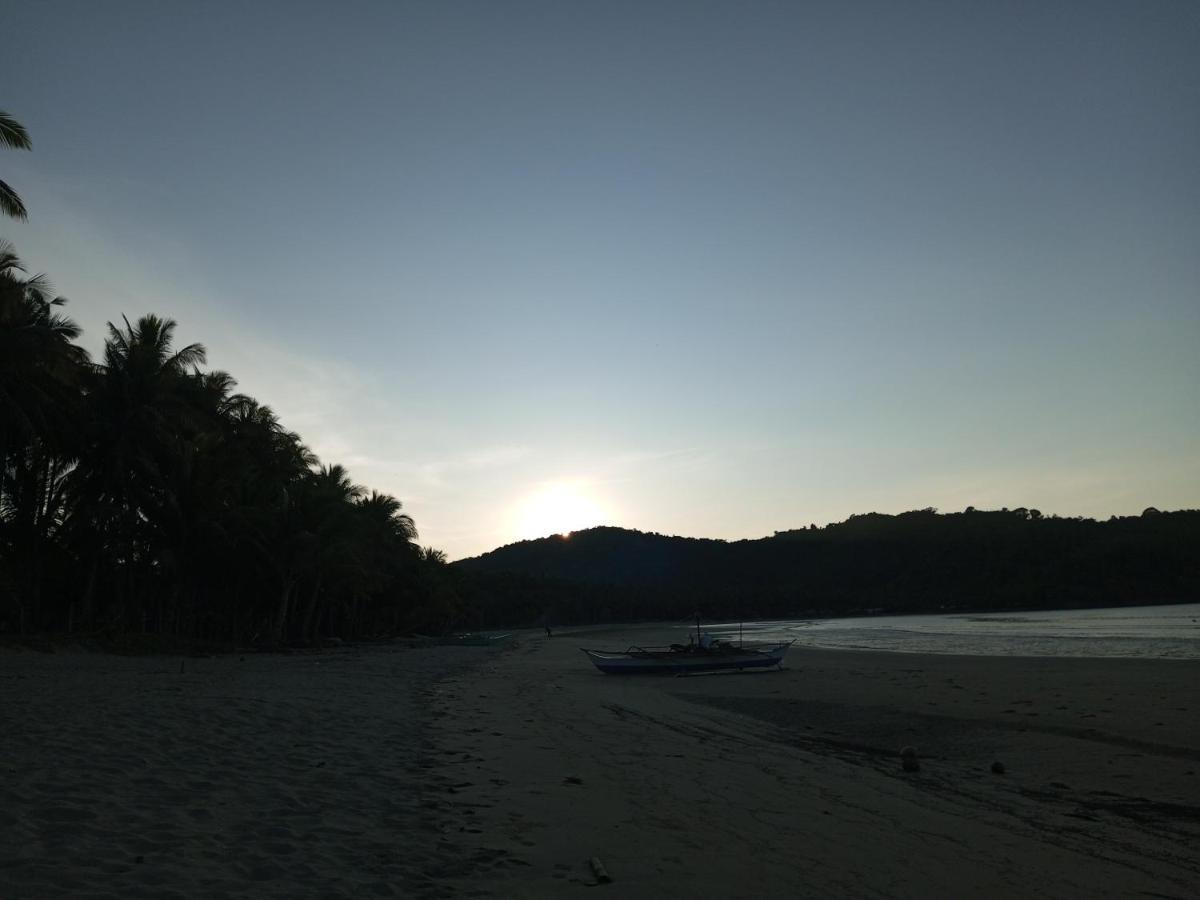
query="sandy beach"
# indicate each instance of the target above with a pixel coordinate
(447, 772)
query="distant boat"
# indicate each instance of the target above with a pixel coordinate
(468, 639)
(478, 639)
(680, 658)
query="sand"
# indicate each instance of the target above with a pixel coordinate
(306, 775)
(450, 772)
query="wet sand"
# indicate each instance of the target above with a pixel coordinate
(458, 771)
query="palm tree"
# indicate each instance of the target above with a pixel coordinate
(384, 510)
(140, 411)
(256, 537)
(40, 373)
(37, 358)
(385, 539)
(14, 135)
(329, 497)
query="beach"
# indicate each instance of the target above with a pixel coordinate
(461, 771)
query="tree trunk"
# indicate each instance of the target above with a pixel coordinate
(281, 616)
(89, 593)
(309, 625)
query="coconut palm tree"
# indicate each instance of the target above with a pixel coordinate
(385, 539)
(255, 534)
(40, 371)
(384, 511)
(138, 411)
(329, 497)
(14, 135)
(140, 397)
(38, 361)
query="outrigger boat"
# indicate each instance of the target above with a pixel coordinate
(684, 658)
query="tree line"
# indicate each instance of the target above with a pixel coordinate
(918, 561)
(143, 493)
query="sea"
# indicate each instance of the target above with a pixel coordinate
(1149, 632)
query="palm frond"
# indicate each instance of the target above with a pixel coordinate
(13, 133)
(11, 204)
(188, 357)
(9, 261)
(116, 345)
(64, 327)
(220, 383)
(39, 288)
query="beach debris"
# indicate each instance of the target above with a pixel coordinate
(908, 759)
(572, 779)
(998, 768)
(602, 876)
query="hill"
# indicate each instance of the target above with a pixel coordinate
(919, 561)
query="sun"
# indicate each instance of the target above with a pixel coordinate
(558, 508)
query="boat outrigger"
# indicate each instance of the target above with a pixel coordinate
(684, 658)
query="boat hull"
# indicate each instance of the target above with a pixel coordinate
(635, 662)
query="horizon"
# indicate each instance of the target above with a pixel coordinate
(712, 274)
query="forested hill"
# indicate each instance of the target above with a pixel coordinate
(915, 561)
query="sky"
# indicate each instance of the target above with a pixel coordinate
(709, 269)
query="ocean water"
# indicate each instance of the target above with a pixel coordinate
(1154, 632)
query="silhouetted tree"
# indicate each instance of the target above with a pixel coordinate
(40, 370)
(170, 504)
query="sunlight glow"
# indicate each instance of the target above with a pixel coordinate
(557, 508)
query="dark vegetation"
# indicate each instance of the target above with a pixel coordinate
(918, 561)
(142, 495)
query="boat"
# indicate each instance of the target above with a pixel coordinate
(479, 639)
(465, 639)
(681, 659)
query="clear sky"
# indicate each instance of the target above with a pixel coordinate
(712, 269)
